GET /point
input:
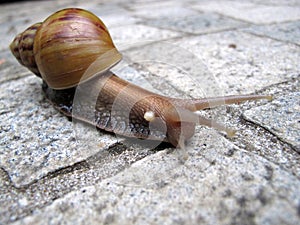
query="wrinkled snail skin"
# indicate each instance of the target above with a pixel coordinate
(120, 108)
(61, 51)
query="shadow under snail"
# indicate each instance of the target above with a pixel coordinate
(62, 49)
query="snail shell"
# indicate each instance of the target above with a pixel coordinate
(62, 49)
(22, 48)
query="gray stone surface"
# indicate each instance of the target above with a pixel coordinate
(285, 31)
(166, 9)
(258, 12)
(196, 24)
(28, 153)
(122, 35)
(287, 108)
(244, 68)
(203, 190)
(56, 171)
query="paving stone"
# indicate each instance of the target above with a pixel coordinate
(281, 117)
(175, 16)
(254, 13)
(122, 36)
(215, 188)
(171, 65)
(10, 69)
(243, 63)
(196, 24)
(286, 31)
(159, 10)
(277, 2)
(111, 13)
(33, 133)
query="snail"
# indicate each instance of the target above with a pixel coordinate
(62, 49)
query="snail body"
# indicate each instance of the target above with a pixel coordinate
(61, 51)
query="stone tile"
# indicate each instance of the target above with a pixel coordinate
(281, 117)
(288, 32)
(112, 14)
(178, 68)
(10, 68)
(250, 12)
(117, 20)
(33, 133)
(160, 10)
(142, 77)
(122, 36)
(154, 187)
(243, 63)
(277, 2)
(175, 16)
(196, 24)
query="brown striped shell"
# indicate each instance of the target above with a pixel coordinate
(22, 48)
(64, 46)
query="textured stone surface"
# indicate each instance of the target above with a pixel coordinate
(157, 188)
(285, 32)
(244, 63)
(197, 24)
(166, 9)
(55, 171)
(252, 12)
(287, 108)
(123, 35)
(33, 133)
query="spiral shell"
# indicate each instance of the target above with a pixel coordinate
(64, 46)
(22, 48)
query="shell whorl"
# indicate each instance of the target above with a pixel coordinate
(22, 48)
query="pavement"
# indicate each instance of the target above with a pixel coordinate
(57, 171)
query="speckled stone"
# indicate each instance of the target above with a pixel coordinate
(244, 63)
(210, 186)
(252, 12)
(281, 117)
(33, 133)
(197, 24)
(165, 9)
(122, 35)
(284, 32)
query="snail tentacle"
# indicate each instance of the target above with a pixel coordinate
(211, 102)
